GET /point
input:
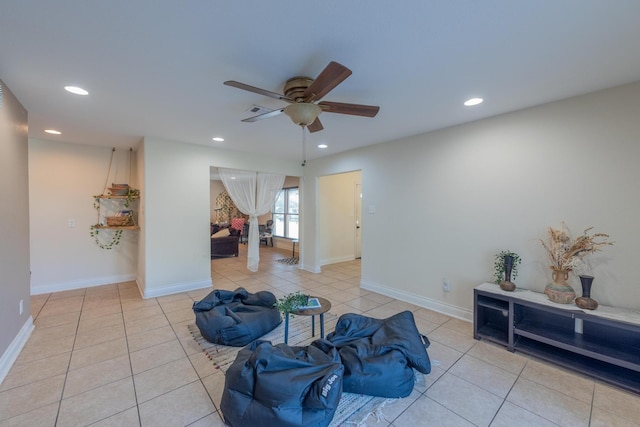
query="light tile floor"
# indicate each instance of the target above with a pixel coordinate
(103, 356)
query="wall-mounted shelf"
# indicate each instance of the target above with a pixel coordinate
(109, 206)
(122, 227)
(602, 343)
(116, 197)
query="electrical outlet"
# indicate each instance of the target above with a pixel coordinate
(445, 285)
(21, 307)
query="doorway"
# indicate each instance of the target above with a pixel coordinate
(339, 217)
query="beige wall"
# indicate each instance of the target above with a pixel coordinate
(63, 178)
(14, 230)
(444, 203)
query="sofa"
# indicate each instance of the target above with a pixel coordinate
(224, 241)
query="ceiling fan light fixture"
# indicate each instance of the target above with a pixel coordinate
(302, 113)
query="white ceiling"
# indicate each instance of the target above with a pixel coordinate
(156, 67)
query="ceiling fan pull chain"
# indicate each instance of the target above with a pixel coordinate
(304, 147)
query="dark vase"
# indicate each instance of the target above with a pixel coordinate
(585, 301)
(506, 284)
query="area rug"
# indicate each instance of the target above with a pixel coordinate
(291, 260)
(353, 409)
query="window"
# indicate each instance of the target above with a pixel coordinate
(285, 213)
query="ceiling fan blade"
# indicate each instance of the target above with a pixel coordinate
(315, 126)
(264, 116)
(257, 90)
(330, 77)
(352, 109)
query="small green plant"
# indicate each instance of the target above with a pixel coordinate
(115, 239)
(498, 265)
(291, 302)
(132, 195)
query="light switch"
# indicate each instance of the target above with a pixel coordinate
(71, 223)
(372, 209)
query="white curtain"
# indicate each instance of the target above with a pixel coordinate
(253, 193)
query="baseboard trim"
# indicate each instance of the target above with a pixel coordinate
(310, 269)
(89, 283)
(176, 288)
(337, 260)
(431, 304)
(12, 353)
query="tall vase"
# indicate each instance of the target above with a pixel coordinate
(585, 300)
(559, 290)
(506, 284)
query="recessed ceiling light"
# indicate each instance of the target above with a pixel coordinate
(218, 139)
(76, 90)
(322, 145)
(473, 101)
(53, 131)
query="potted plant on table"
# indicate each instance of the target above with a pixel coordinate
(291, 302)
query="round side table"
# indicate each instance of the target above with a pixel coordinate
(325, 305)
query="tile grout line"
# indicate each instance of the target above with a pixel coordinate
(133, 381)
(66, 375)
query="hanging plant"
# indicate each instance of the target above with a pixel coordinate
(115, 239)
(132, 195)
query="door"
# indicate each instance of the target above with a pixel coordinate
(358, 220)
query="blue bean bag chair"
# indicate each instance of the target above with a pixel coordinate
(235, 318)
(379, 355)
(278, 385)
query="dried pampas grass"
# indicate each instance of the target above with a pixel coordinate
(566, 253)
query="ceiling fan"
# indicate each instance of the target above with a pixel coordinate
(303, 95)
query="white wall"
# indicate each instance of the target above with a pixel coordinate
(15, 327)
(142, 245)
(446, 202)
(177, 211)
(63, 178)
(336, 217)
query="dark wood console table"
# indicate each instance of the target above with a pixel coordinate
(603, 343)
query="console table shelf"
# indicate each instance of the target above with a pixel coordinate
(603, 343)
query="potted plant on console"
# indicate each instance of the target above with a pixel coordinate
(505, 266)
